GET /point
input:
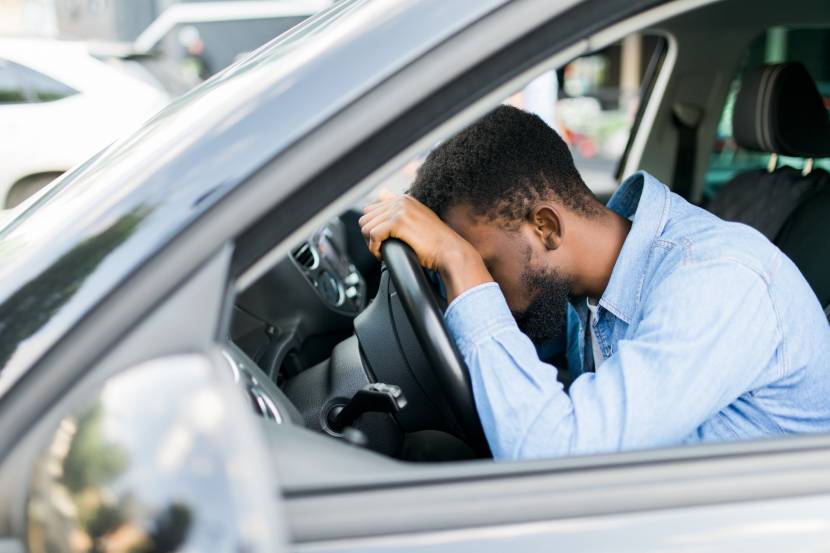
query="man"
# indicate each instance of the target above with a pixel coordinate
(690, 329)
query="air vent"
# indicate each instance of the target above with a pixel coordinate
(306, 256)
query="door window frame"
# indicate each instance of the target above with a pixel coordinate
(480, 89)
(785, 460)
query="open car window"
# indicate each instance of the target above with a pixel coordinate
(300, 324)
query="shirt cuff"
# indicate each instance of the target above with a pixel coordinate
(477, 313)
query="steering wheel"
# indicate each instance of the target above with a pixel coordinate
(421, 306)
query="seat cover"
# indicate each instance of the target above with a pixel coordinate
(761, 199)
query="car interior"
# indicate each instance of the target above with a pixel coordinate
(346, 360)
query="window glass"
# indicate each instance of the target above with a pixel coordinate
(811, 47)
(11, 90)
(45, 89)
(593, 103)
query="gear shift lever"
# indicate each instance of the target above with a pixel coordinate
(372, 398)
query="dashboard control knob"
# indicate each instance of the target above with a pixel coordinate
(329, 288)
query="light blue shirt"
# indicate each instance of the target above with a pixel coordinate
(707, 330)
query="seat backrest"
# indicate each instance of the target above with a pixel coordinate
(761, 199)
(805, 238)
(779, 111)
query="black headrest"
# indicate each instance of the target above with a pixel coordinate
(779, 110)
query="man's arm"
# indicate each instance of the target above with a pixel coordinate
(438, 247)
(708, 332)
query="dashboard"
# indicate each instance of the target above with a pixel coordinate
(305, 341)
(291, 318)
(267, 400)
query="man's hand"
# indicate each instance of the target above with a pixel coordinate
(437, 246)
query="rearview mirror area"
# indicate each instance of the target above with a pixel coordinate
(164, 458)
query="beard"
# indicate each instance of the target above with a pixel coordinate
(544, 318)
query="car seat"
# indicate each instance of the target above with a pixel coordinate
(779, 110)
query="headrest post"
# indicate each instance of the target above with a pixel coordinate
(773, 162)
(808, 166)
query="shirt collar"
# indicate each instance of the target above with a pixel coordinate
(646, 202)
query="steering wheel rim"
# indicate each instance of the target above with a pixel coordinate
(427, 321)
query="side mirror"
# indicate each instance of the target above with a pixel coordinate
(164, 458)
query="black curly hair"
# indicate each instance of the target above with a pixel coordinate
(500, 166)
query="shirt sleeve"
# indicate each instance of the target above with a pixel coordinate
(705, 336)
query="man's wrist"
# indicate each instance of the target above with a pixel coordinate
(461, 269)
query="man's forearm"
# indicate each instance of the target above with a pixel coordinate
(462, 269)
(512, 387)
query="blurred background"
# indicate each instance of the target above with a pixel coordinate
(77, 74)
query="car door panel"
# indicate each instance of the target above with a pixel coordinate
(495, 494)
(796, 524)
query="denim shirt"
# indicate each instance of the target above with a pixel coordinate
(707, 330)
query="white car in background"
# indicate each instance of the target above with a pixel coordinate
(59, 105)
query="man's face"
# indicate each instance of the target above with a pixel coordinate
(535, 288)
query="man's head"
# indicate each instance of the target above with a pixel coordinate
(508, 185)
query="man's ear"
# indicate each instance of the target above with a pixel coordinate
(547, 223)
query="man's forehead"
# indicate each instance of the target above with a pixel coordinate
(485, 234)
